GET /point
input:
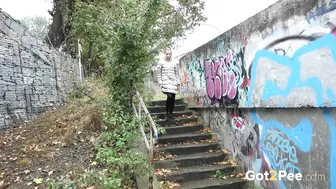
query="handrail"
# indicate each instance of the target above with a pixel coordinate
(150, 145)
(141, 127)
(148, 115)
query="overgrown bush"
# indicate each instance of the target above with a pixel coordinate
(122, 38)
(78, 91)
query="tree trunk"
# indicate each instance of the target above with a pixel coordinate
(59, 30)
(56, 35)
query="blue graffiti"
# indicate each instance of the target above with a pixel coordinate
(281, 152)
(331, 97)
(328, 117)
(195, 73)
(321, 10)
(272, 89)
(301, 135)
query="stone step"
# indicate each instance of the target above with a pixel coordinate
(174, 130)
(228, 183)
(180, 149)
(176, 115)
(197, 159)
(182, 129)
(179, 121)
(182, 138)
(163, 102)
(158, 109)
(186, 174)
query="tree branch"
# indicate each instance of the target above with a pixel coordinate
(171, 12)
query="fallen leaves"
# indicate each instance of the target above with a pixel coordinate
(162, 145)
(211, 151)
(237, 175)
(186, 117)
(165, 171)
(191, 142)
(160, 156)
(232, 175)
(206, 130)
(225, 151)
(228, 162)
(211, 140)
(240, 175)
(190, 124)
(168, 185)
(50, 172)
(34, 152)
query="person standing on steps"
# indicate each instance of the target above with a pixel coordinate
(168, 80)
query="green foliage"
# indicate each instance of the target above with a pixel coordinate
(37, 26)
(78, 91)
(121, 39)
(113, 147)
(103, 179)
(53, 184)
(161, 130)
(144, 26)
(219, 174)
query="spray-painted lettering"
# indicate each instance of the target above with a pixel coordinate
(224, 76)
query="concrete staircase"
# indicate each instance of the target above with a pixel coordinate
(188, 157)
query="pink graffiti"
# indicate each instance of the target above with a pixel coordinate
(238, 122)
(220, 79)
(246, 82)
(250, 153)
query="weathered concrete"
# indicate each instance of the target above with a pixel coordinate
(270, 60)
(33, 76)
(139, 146)
(295, 140)
(267, 88)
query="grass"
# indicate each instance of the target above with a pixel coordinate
(58, 146)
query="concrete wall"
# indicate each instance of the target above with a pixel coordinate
(270, 60)
(267, 87)
(33, 76)
(296, 140)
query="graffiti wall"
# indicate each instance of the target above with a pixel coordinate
(268, 60)
(295, 140)
(267, 88)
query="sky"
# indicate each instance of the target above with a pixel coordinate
(22, 8)
(222, 15)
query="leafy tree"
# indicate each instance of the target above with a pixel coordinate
(38, 26)
(98, 24)
(120, 39)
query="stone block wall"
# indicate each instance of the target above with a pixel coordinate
(33, 75)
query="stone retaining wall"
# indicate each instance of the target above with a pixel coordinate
(33, 75)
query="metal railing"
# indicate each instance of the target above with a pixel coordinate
(153, 130)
